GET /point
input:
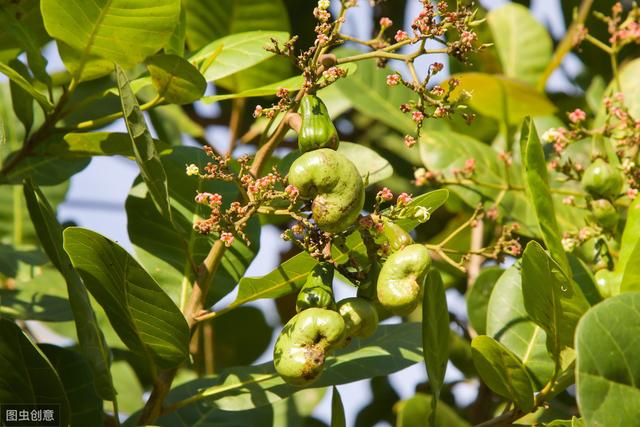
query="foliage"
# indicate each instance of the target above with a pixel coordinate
(470, 182)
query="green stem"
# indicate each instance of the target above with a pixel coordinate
(102, 121)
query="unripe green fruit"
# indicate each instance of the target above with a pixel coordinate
(360, 318)
(317, 290)
(334, 184)
(602, 180)
(316, 129)
(397, 237)
(605, 213)
(608, 283)
(401, 279)
(303, 345)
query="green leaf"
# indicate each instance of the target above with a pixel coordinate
(175, 79)
(435, 332)
(370, 95)
(502, 371)
(607, 370)
(537, 179)
(631, 278)
(417, 410)
(80, 145)
(20, 99)
(176, 44)
(27, 39)
(416, 208)
(523, 44)
(291, 84)
(337, 409)
(83, 67)
(43, 169)
(500, 97)
(209, 20)
(17, 78)
(478, 298)
(509, 324)
(237, 349)
(27, 13)
(371, 165)
(85, 406)
(286, 278)
(390, 349)
(90, 336)
(144, 317)
(123, 31)
(551, 298)
(169, 253)
(37, 299)
(212, 19)
(573, 422)
(235, 53)
(27, 375)
(630, 235)
(146, 153)
(445, 151)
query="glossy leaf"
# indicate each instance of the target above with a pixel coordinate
(212, 19)
(370, 95)
(43, 169)
(90, 336)
(286, 278)
(79, 145)
(417, 411)
(415, 210)
(17, 78)
(607, 370)
(168, 252)
(145, 151)
(435, 332)
(337, 409)
(119, 30)
(27, 375)
(509, 324)
(235, 53)
(144, 317)
(21, 101)
(631, 278)
(84, 67)
(390, 349)
(523, 44)
(85, 406)
(232, 348)
(478, 298)
(550, 298)
(537, 179)
(370, 164)
(502, 371)
(630, 235)
(500, 97)
(175, 79)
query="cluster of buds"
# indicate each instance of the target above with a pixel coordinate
(434, 102)
(309, 238)
(508, 243)
(424, 177)
(622, 31)
(231, 220)
(283, 105)
(574, 239)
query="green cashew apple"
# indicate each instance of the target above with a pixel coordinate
(602, 180)
(397, 237)
(334, 184)
(303, 345)
(360, 318)
(608, 283)
(317, 290)
(316, 128)
(401, 279)
(605, 213)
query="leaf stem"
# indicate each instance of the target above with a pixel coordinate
(115, 116)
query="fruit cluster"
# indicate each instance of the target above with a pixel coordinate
(336, 190)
